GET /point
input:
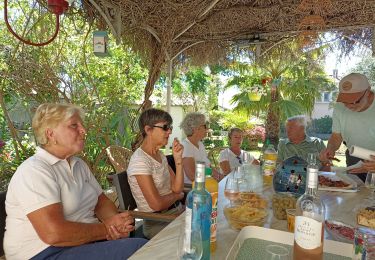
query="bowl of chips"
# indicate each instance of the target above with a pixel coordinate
(240, 215)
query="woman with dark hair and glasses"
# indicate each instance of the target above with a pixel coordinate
(154, 185)
(232, 157)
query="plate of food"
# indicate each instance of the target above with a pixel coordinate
(340, 231)
(331, 181)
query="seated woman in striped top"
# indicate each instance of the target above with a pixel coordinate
(154, 185)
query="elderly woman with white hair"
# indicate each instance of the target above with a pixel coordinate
(298, 142)
(195, 127)
(55, 207)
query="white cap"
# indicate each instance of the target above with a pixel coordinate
(351, 87)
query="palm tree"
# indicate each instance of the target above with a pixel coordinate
(291, 79)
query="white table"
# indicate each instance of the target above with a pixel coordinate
(340, 206)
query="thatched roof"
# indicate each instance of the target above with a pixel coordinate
(207, 28)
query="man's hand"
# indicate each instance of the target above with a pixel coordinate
(326, 155)
(367, 166)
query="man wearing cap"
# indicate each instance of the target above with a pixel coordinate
(353, 121)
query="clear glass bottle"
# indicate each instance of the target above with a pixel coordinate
(198, 210)
(269, 163)
(309, 220)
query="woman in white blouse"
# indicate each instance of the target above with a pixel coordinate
(232, 157)
(195, 127)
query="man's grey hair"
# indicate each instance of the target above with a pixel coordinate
(191, 121)
(300, 120)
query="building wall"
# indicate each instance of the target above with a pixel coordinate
(321, 109)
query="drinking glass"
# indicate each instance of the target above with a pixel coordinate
(370, 184)
(231, 190)
(276, 252)
(190, 244)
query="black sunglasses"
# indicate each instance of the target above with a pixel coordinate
(358, 100)
(239, 159)
(164, 127)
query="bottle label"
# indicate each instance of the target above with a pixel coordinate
(308, 232)
(188, 216)
(269, 167)
(214, 217)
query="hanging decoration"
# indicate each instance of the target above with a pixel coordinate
(317, 7)
(57, 7)
(100, 43)
(309, 27)
(311, 24)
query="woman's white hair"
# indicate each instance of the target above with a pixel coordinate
(191, 121)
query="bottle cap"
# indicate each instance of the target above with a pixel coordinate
(208, 171)
(200, 168)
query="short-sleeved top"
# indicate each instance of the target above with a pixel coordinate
(356, 128)
(143, 164)
(199, 154)
(42, 180)
(287, 149)
(232, 158)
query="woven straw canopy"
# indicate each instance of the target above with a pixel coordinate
(204, 30)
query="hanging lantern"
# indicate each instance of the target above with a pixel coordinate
(100, 43)
(58, 7)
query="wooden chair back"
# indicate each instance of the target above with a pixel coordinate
(119, 157)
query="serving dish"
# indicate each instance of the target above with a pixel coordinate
(336, 182)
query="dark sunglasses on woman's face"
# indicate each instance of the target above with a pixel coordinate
(164, 127)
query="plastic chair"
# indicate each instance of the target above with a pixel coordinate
(127, 203)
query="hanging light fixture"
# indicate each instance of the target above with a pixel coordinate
(57, 7)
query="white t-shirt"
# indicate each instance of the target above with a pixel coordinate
(199, 154)
(228, 155)
(143, 164)
(356, 128)
(42, 180)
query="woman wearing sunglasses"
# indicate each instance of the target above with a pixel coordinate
(233, 157)
(155, 187)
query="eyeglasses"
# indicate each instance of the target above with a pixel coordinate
(358, 100)
(239, 159)
(164, 127)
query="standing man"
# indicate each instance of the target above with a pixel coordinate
(353, 121)
(298, 143)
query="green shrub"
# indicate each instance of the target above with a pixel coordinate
(322, 125)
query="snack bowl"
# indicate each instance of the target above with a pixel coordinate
(241, 215)
(253, 200)
(282, 201)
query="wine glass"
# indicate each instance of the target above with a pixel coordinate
(276, 252)
(231, 190)
(370, 184)
(190, 244)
